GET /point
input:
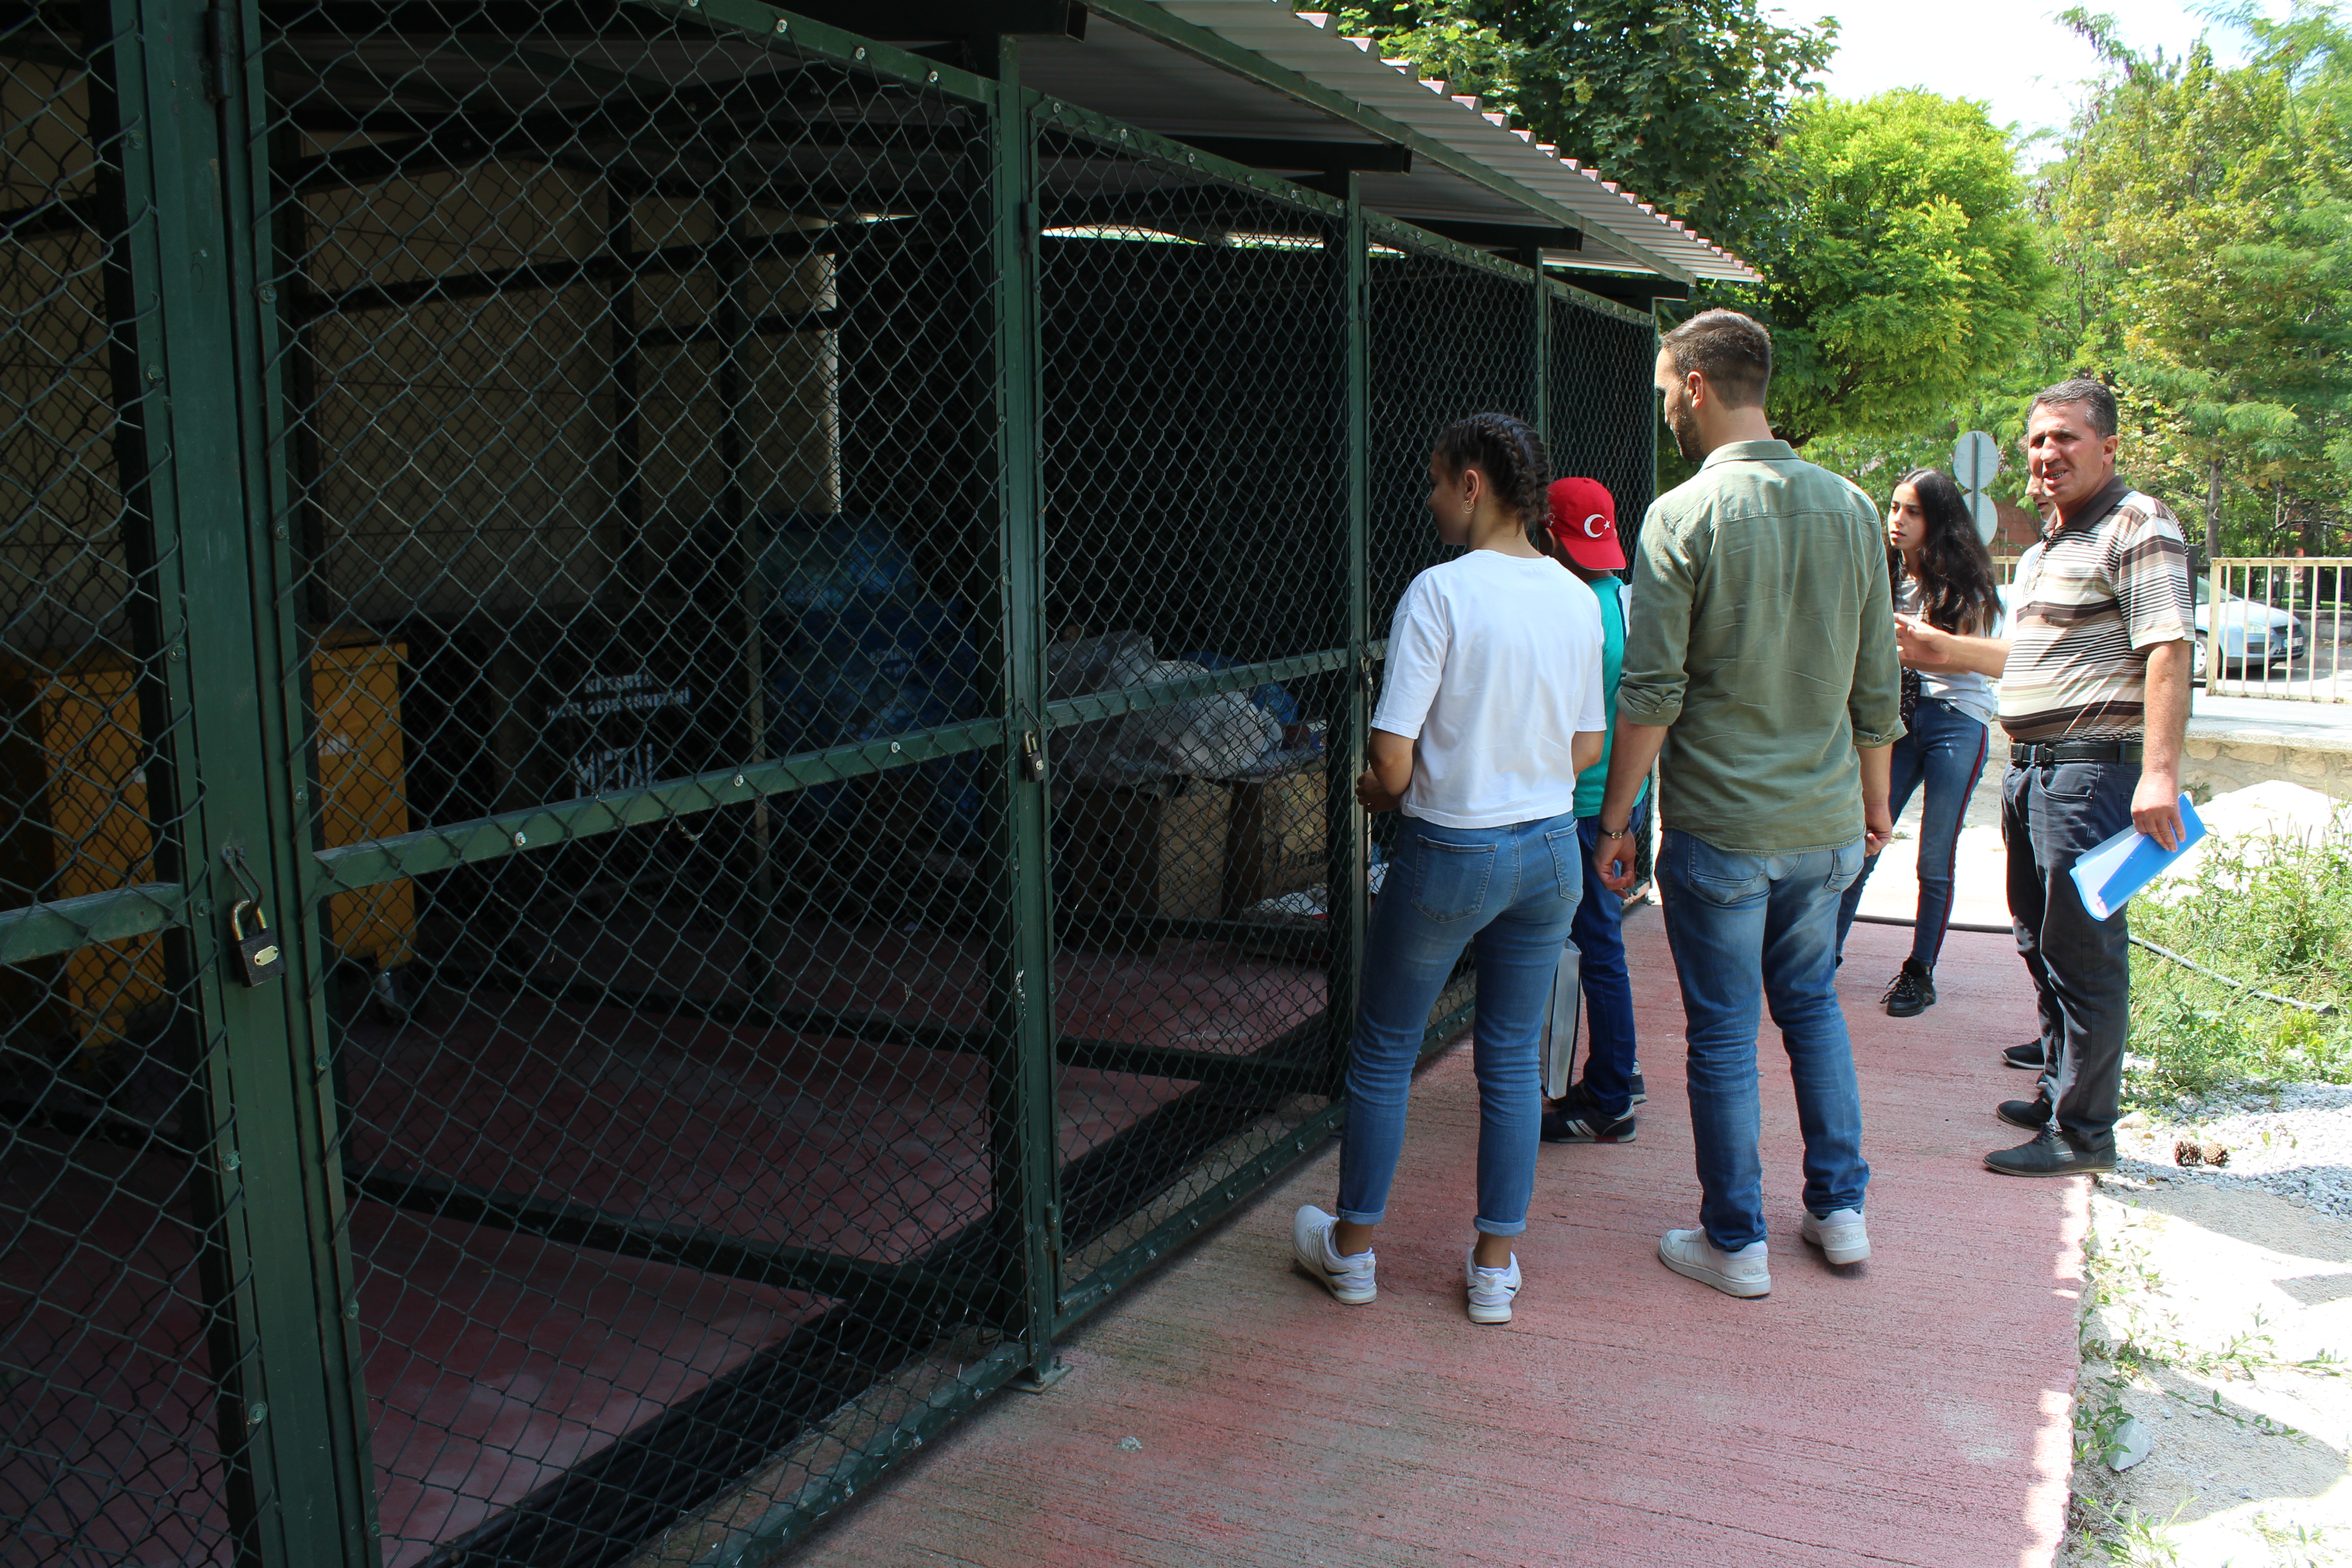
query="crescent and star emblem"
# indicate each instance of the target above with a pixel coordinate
(1595, 526)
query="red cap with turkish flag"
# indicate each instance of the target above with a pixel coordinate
(1584, 519)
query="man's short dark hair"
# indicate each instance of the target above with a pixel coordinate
(2097, 404)
(1732, 351)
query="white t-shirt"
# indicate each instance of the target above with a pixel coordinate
(1493, 666)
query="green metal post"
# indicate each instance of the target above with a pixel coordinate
(1348, 906)
(329, 1485)
(1020, 1050)
(195, 352)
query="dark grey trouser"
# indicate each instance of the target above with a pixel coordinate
(2081, 967)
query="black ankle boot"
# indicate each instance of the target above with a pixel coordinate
(1913, 992)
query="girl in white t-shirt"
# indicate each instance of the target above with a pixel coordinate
(1490, 705)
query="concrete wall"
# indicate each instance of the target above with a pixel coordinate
(2219, 761)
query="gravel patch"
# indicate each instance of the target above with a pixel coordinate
(2293, 1140)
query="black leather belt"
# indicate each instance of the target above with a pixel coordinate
(2044, 753)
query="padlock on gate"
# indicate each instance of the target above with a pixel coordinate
(259, 959)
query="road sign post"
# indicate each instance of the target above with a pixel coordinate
(1976, 459)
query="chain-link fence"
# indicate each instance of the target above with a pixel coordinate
(1195, 515)
(778, 632)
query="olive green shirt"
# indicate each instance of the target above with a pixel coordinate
(1763, 635)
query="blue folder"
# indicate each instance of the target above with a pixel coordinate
(2110, 873)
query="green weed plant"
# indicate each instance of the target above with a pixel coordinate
(2275, 913)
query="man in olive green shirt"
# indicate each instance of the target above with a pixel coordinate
(1760, 671)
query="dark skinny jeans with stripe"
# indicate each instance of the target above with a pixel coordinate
(1945, 749)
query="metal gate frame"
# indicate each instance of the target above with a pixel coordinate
(199, 353)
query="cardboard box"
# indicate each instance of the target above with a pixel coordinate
(1279, 833)
(1156, 851)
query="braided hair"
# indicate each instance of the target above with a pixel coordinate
(1509, 452)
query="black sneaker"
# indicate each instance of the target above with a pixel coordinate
(1575, 1119)
(2051, 1154)
(2027, 1056)
(2033, 1115)
(1913, 992)
(1641, 1093)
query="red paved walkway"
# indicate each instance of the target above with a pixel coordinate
(1915, 1412)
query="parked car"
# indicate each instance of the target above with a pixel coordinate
(2253, 633)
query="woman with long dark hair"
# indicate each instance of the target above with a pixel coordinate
(1941, 575)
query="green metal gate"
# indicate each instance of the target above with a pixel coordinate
(781, 632)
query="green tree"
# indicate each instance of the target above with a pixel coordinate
(1898, 258)
(1901, 267)
(1680, 101)
(2201, 218)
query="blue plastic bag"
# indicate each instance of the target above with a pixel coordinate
(1274, 698)
(857, 651)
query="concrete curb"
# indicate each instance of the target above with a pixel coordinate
(2224, 759)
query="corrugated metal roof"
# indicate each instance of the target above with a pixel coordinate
(1304, 44)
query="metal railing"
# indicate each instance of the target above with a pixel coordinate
(2270, 626)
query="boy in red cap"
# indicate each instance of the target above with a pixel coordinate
(1599, 1107)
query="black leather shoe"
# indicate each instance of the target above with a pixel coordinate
(2033, 1115)
(2051, 1154)
(1913, 992)
(2027, 1056)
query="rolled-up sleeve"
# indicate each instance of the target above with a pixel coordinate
(1657, 636)
(1875, 703)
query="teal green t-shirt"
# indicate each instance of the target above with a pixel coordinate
(1593, 781)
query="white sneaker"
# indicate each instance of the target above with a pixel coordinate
(1747, 1272)
(1839, 1234)
(1491, 1289)
(1348, 1278)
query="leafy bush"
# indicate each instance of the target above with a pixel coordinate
(2275, 913)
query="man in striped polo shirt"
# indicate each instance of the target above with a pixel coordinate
(2095, 696)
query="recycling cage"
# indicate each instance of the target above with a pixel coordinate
(762, 643)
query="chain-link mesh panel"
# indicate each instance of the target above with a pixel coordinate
(632, 397)
(1452, 335)
(107, 1449)
(1195, 504)
(643, 453)
(1449, 337)
(1605, 417)
(1604, 423)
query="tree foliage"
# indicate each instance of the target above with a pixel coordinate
(1897, 262)
(1901, 267)
(1681, 100)
(2201, 220)
(2192, 244)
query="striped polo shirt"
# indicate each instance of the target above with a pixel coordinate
(2088, 604)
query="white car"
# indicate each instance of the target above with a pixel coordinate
(2253, 633)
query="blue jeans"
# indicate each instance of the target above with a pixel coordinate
(1745, 930)
(1512, 891)
(1946, 749)
(2081, 967)
(1599, 934)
